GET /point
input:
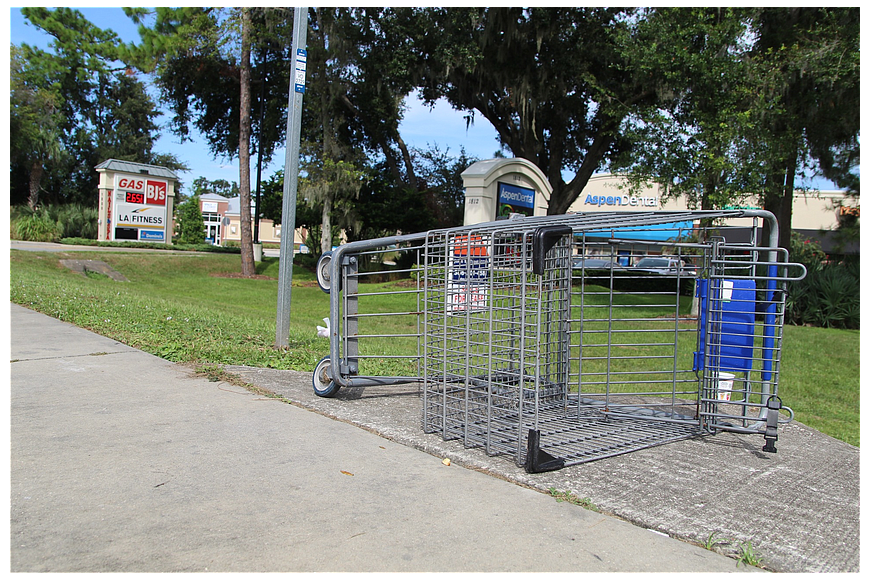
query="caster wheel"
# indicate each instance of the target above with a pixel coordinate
(323, 276)
(323, 384)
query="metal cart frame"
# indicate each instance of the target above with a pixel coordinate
(521, 353)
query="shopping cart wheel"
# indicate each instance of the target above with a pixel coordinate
(323, 279)
(324, 386)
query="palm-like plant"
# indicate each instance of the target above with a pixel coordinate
(34, 121)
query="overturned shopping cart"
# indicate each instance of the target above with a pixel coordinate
(539, 337)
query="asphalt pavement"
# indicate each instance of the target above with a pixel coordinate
(124, 462)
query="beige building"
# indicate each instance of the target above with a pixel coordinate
(814, 213)
(222, 222)
(811, 210)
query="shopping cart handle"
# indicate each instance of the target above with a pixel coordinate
(543, 241)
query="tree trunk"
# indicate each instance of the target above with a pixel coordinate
(563, 196)
(326, 226)
(406, 157)
(247, 242)
(784, 216)
(36, 171)
(779, 201)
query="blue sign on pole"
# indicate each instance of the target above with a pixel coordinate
(301, 65)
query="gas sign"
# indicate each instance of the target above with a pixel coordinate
(134, 184)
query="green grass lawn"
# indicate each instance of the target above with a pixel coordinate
(184, 308)
(820, 377)
(179, 307)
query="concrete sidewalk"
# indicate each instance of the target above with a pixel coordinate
(799, 509)
(123, 462)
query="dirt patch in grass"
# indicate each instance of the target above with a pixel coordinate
(86, 267)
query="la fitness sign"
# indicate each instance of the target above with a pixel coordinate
(139, 209)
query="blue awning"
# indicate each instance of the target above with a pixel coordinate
(657, 233)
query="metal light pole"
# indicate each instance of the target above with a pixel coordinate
(291, 175)
(259, 161)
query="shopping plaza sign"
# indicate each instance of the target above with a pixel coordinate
(139, 208)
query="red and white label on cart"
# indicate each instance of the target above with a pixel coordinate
(468, 274)
(466, 297)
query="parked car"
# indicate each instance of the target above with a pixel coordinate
(583, 263)
(665, 265)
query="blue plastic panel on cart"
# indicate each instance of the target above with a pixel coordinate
(738, 325)
(732, 334)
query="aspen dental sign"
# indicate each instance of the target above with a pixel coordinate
(621, 200)
(139, 208)
(515, 199)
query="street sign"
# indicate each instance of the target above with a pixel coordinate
(301, 65)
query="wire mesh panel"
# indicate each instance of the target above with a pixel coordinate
(629, 330)
(673, 339)
(740, 339)
(495, 330)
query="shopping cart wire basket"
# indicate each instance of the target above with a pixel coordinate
(537, 338)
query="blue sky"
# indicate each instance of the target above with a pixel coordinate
(421, 127)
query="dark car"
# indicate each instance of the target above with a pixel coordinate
(666, 266)
(581, 263)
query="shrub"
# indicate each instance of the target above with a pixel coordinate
(33, 225)
(51, 223)
(806, 251)
(189, 221)
(75, 220)
(829, 296)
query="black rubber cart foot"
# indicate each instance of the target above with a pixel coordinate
(774, 404)
(538, 461)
